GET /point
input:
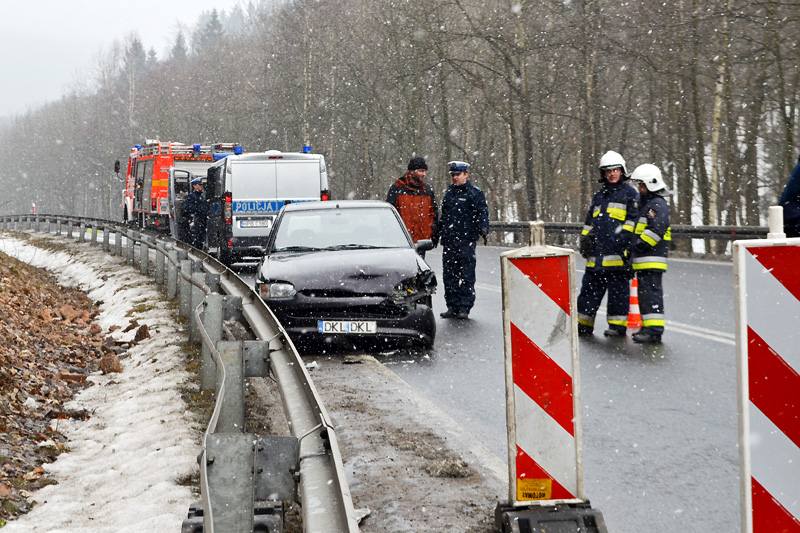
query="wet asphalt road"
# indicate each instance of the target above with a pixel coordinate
(659, 422)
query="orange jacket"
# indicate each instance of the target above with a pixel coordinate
(417, 207)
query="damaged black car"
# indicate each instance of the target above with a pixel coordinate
(348, 273)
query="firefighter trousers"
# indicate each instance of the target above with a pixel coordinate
(651, 301)
(593, 288)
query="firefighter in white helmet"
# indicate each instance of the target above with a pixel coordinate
(650, 250)
(605, 244)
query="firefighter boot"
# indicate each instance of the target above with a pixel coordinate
(644, 336)
(614, 332)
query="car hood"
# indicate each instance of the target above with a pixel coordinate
(374, 271)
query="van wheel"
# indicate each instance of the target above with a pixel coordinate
(225, 257)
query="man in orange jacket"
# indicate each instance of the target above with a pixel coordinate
(416, 202)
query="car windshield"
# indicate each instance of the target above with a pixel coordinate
(339, 229)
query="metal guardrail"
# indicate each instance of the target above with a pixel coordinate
(242, 476)
(679, 231)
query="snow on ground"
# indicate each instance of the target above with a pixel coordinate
(123, 462)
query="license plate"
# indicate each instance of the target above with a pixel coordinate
(346, 326)
(256, 223)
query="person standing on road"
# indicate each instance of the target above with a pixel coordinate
(790, 201)
(650, 250)
(605, 244)
(196, 206)
(465, 219)
(415, 201)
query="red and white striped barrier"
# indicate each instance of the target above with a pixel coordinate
(542, 393)
(768, 350)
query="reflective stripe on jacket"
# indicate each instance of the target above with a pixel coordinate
(611, 218)
(653, 235)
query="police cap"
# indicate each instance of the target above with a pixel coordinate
(457, 167)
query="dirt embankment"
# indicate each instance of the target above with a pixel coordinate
(48, 345)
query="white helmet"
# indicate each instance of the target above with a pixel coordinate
(650, 175)
(612, 159)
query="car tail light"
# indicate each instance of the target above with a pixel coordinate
(228, 209)
(325, 195)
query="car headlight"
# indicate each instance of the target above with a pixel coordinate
(276, 290)
(410, 290)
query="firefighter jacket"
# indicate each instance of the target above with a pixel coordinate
(416, 205)
(653, 234)
(609, 226)
(465, 216)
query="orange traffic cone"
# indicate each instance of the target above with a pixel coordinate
(634, 315)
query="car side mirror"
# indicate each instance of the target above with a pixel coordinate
(423, 245)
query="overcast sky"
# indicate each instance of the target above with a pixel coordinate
(47, 44)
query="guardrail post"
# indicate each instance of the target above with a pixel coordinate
(172, 274)
(117, 242)
(58, 227)
(36, 224)
(131, 257)
(144, 256)
(159, 273)
(82, 231)
(231, 414)
(93, 241)
(70, 229)
(229, 460)
(212, 322)
(106, 240)
(184, 288)
(197, 295)
(256, 359)
(213, 282)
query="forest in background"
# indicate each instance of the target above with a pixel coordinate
(530, 92)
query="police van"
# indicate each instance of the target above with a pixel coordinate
(245, 193)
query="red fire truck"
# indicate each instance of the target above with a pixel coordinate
(146, 182)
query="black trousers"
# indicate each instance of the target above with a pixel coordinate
(458, 265)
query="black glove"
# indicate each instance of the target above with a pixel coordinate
(586, 245)
(435, 240)
(485, 235)
(642, 248)
(627, 263)
(627, 258)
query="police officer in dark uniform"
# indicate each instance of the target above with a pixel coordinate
(605, 244)
(650, 250)
(196, 206)
(465, 219)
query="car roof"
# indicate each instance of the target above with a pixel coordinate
(335, 204)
